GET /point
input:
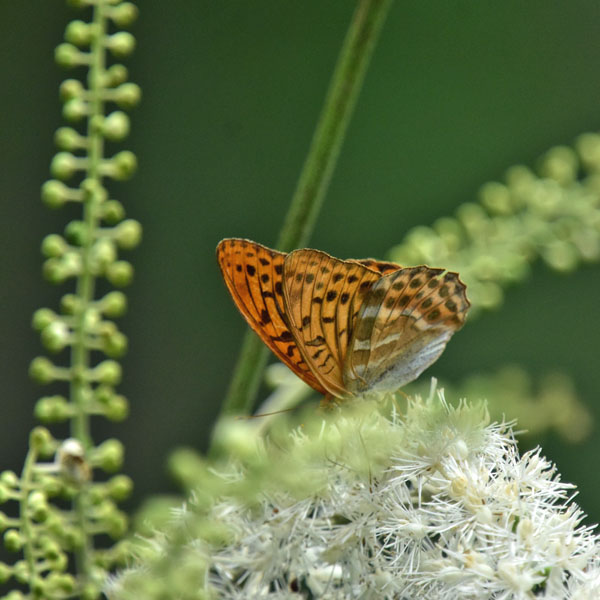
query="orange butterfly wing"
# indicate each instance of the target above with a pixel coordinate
(253, 274)
(403, 326)
(377, 265)
(323, 296)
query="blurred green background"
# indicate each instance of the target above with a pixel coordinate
(456, 93)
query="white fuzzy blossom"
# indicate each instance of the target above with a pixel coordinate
(434, 504)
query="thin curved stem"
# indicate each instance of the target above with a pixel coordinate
(314, 178)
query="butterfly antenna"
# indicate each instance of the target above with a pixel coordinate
(406, 396)
(267, 414)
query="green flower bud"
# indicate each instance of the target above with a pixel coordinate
(91, 319)
(5, 573)
(69, 304)
(128, 234)
(108, 371)
(41, 440)
(79, 33)
(55, 336)
(77, 232)
(5, 496)
(74, 110)
(561, 164)
(561, 255)
(13, 540)
(103, 253)
(588, 146)
(90, 591)
(38, 505)
(115, 345)
(187, 467)
(120, 273)
(109, 455)
(128, 95)
(496, 198)
(120, 487)
(42, 317)
(122, 165)
(71, 263)
(112, 211)
(107, 328)
(73, 536)
(116, 126)
(115, 75)
(124, 14)
(50, 547)
(53, 245)
(97, 493)
(96, 123)
(54, 193)
(63, 165)
(53, 409)
(66, 138)
(94, 190)
(71, 88)
(114, 304)
(68, 56)
(38, 586)
(41, 370)
(121, 44)
(14, 595)
(59, 564)
(54, 271)
(117, 408)
(236, 439)
(489, 295)
(9, 478)
(21, 571)
(104, 394)
(52, 486)
(60, 584)
(117, 524)
(472, 216)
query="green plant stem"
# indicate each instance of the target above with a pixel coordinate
(26, 525)
(314, 178)
(80, 387)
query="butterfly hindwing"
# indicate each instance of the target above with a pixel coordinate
(323, 296)
(254, 276)
(403, 327)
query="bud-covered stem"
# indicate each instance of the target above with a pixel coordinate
(60, 560)
(80, 353)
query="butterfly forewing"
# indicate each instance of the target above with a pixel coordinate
(323, 296)
(254, 276)
(377, 265)
(403, 326)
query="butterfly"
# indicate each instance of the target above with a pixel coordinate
(345, 327)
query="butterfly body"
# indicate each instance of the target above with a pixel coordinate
(346, 327)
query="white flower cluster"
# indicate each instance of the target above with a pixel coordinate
(444, 509)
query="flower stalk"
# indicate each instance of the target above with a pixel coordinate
(49, 537)
(315, 176)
